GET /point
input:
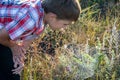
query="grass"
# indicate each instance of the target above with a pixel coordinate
(87, 50)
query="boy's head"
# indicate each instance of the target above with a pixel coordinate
(60, 13)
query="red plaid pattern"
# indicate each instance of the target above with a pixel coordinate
(22, 20)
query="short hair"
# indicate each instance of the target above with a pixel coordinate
(64, 9)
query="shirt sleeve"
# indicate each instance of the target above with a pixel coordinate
(21, 24)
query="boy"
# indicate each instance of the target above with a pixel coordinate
(22, 21)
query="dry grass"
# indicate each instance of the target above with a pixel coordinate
(89, 50)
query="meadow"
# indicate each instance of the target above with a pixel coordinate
(89, 49)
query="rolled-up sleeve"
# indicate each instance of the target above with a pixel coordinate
(21, 24)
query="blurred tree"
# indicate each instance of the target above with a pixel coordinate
(86, 3)
(102, 5)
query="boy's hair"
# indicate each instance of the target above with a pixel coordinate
(64, 9)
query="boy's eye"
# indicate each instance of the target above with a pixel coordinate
(66, 24)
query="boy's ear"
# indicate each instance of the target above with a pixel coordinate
(52, 15)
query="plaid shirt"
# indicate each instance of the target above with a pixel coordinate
(22, 20)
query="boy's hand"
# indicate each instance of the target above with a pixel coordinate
(18, 59)
(19, 51)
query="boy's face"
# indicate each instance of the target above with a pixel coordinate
(58, 24)
(55, 23)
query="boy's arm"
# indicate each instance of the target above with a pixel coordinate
(17, 51)
(5, 39)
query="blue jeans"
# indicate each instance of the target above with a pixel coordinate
(6, 64)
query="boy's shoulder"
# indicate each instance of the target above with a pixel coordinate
(19, 2)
